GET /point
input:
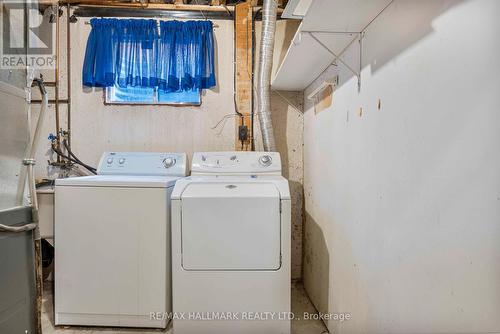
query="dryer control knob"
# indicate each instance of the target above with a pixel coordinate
(265, 160)
(168, 162)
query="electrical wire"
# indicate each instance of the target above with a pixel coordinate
(234, 78)
(201, 12)
(223, 121)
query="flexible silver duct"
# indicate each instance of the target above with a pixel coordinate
(269, 10)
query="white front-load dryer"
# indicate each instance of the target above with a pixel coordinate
(231, 245)
(112, 241)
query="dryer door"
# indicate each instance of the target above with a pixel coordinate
(231, 226)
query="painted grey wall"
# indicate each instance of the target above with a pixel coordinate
(403, 202)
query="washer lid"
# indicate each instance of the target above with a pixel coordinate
(119, 181)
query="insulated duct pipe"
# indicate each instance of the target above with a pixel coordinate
(38, 128)
(269, 9)
(30, 161)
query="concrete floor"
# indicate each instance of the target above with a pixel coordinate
(300, 305)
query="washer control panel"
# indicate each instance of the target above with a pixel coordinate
(234, 163)
(143, 163)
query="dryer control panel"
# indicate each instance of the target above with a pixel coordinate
(236, 163)
(143, 163)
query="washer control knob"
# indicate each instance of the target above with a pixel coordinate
(265, 160)
(121, 161)
(110, 161)
(168, 162)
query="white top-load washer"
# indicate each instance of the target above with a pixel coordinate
(112, 241)
(231, 245)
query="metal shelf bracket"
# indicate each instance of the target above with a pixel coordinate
(359, 38)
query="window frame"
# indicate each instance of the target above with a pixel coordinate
(155, 102)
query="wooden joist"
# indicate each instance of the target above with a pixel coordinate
(244, 61)
(153, 6)
(217, 5)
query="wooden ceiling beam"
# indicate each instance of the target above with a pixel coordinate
(152, 6)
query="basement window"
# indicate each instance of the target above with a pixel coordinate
(143, 61)
(145, 95)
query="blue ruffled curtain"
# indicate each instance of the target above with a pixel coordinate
(98, 66)
(121, 52)
(186, 55)
(130, 53)
(136, 42)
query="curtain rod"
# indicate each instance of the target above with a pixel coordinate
(215, 25)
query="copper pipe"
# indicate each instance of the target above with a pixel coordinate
(52, 101)
(47, 84)
(68, 71)
(56, 81)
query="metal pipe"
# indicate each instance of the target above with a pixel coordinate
(46, 84)
(85, 12)
(214, 25)
(269, 10)
(68, 71)
(51, 101)
(56, 81)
